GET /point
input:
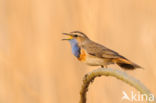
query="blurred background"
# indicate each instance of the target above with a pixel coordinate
(37, 67)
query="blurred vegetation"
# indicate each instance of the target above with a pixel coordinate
(33, 59)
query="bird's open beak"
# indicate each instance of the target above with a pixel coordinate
(69, 36)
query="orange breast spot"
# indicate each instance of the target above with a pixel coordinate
(82, 55)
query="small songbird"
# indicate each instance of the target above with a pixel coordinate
(94, 54)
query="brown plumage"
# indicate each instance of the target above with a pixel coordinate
(99, 55)
(101, 51)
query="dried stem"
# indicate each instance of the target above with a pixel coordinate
(115, 73)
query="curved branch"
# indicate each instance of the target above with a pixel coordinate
(88, 78)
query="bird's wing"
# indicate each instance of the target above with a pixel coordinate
(100, 51)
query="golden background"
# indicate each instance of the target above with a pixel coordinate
(37, 67)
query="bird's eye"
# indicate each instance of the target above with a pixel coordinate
(75, 35)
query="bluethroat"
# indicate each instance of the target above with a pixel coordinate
(94, 54)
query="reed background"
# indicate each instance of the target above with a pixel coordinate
(37, 67)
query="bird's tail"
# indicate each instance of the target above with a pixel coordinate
(126, 64)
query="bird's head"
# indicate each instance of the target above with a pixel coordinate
(76, 35)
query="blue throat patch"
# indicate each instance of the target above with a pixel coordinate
(75, 47)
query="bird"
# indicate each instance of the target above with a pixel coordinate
(95, 54)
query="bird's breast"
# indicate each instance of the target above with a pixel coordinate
(91, 60)
(82, 56)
